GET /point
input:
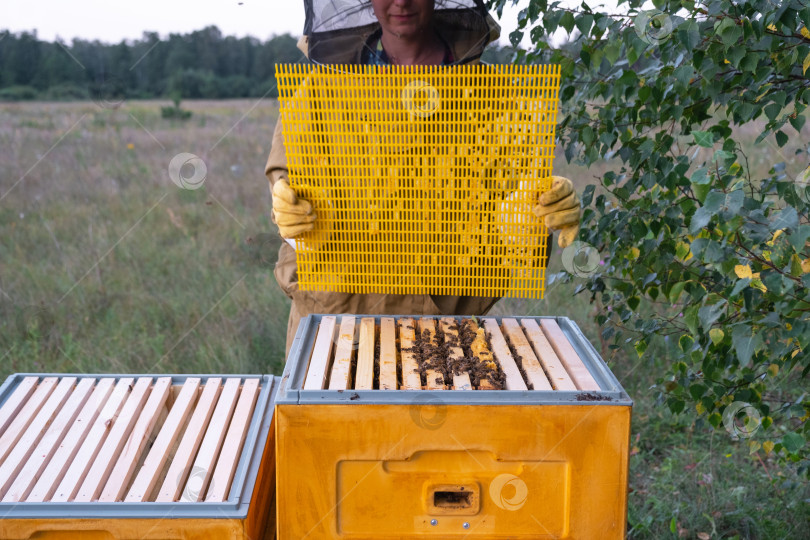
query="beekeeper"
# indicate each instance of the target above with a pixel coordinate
(400, 32)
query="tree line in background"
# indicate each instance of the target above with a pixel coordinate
(201, 65)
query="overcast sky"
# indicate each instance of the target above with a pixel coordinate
(114, 20)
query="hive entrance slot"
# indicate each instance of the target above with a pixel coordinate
(452, 499)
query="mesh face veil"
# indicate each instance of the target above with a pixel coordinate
(338, 31)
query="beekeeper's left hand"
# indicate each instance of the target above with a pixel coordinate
(560, 208)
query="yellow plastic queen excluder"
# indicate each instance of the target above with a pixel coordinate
(423, 178)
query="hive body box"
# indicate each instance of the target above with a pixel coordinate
(242, 512)
(374, 464)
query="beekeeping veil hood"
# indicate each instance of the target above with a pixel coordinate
(337, 31)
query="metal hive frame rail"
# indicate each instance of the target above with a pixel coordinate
(422, 177)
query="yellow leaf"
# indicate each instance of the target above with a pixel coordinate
(634, 252)
(716, 335)
(703, 536)
(805, 32)
(753, 446)
(806, 63)
(768, 446)
(788, 326)
(743, 271)
(700, 408)
(767, 89)
(776, 235)
(772, 27)
(806, 266)
(757, 283)
(766, 255)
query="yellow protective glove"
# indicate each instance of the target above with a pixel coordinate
(293, 216)
(560, 208)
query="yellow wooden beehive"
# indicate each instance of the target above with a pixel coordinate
(136, 457)
(374, 440)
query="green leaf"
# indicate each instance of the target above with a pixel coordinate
(745, 343)
(690, 318)
(701, 191)
(806, 64)
(700, 176)
(740, 285)
(612, 52)
(772, 111)
(781, 138)
(799, 237)
(640, 346)
(567, 21)
(685, 342)
(675, 292)
(586, 135)
(729, 31)
(689, 34)
(697, 391)
(785, 219)
(793, 442)
(708, 315)
(515, 37)
(584, 23)
(702, 217)
(704, 138)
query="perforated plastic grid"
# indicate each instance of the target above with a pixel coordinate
(423, 178)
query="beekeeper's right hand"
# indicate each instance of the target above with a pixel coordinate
(293, 216)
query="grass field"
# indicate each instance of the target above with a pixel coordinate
(107, 266)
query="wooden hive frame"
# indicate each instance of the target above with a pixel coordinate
(388, 353)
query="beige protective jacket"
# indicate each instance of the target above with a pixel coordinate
(308, 302)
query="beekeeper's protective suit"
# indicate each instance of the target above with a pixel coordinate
(347, 31)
